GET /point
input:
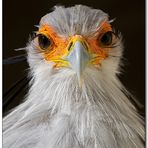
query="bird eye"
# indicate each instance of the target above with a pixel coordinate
(106, 39)
(44, 42)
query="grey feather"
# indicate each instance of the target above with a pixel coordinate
(58, 113)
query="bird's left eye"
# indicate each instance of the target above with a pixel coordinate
(44, 42)
(106, 38)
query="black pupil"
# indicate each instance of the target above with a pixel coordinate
(107, 38)
(44, 42)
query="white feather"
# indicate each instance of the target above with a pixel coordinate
(57, 113)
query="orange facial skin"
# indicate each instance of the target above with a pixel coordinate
(95, 46)
(59, 48)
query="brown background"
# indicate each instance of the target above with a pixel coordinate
(20, 16)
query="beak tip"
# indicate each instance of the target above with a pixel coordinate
(80, 81)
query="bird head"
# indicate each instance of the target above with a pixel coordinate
(76, 38)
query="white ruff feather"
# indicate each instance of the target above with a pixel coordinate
(58, 113)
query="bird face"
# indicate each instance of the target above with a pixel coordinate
(80, 42)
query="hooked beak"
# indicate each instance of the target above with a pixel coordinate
(78, 58)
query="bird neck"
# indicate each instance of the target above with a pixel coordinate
(61, 91)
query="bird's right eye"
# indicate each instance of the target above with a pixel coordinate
(44, 42)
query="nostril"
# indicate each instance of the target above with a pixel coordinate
(85, 45)
(70, 45)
